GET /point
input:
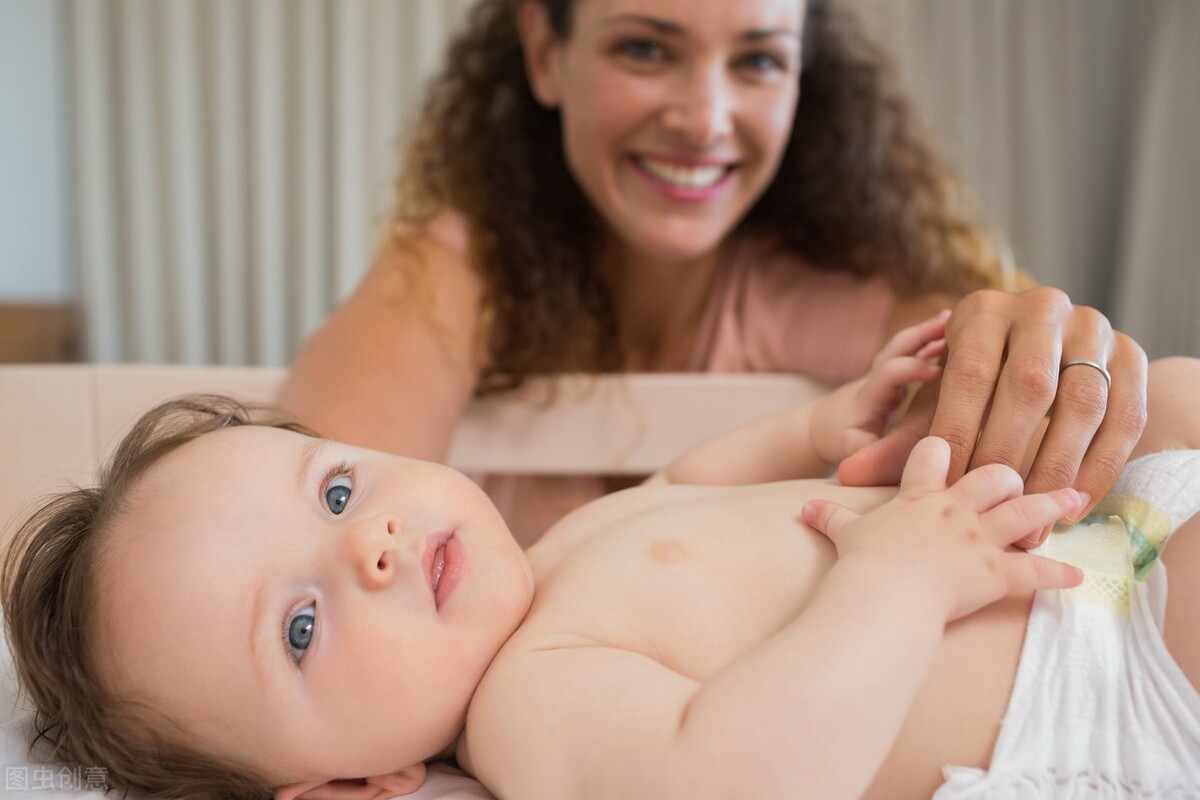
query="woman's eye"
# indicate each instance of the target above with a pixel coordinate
(762, 63)
(337, 493)
(642, 50)
(300, 629)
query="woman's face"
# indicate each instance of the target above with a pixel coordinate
(675, 113)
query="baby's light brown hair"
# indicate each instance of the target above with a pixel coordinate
(50, 594)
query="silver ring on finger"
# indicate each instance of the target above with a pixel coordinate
(1087, 362)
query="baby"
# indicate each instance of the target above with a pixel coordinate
(241, 610)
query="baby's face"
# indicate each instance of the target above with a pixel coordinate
(313, 609)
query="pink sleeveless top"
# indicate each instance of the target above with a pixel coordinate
(766, 312)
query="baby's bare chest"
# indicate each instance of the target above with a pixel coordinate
(692, 582)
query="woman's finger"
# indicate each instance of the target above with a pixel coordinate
(1081, 396)
(1075, 419)
(882, 463)
(1027, 385)
(975, 342)
(1124, 420)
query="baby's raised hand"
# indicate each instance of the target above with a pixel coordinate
(951, 546)
(857, 414)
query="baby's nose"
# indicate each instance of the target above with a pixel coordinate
(369, 546)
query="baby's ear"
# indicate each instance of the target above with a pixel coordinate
(380, 787)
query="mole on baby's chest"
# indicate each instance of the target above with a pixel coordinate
(667, 551)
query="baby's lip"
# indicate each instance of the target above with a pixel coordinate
(433, 561)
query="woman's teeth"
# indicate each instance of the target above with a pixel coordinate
(681, 176)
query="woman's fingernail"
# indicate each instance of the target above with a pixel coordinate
(1085, 500)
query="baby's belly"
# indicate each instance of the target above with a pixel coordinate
(956, 717)
(710, 577)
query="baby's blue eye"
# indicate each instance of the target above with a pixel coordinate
(337, 493)
(300, 630)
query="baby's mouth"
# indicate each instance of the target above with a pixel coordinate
(443, 561)
(439, 566)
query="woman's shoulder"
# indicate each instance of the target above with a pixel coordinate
(448, 228)
(431, 254)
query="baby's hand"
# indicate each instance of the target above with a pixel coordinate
(857, 414)
(952, 542)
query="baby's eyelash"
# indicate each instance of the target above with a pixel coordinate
(336, 471)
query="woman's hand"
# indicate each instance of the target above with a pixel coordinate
(1008, 367)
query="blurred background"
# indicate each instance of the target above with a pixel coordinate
(200, 181)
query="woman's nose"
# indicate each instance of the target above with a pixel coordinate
(369, 548)
(701, 112)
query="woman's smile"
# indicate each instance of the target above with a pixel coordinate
(682, 179)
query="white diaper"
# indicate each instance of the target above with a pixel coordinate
(1099, 708)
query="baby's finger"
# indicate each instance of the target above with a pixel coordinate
(1012, 521)
(828, 517)
(885, 388)
(911, 340)
(988, 486)
(932, 350)
(926, 469)
(1029, 573)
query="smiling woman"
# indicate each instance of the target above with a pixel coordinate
(691, 186)
(673, 130)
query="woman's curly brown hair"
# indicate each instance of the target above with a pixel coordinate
(860, 188)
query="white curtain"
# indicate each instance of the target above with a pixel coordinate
(1078, 122)
(233, 158)
(233, 161)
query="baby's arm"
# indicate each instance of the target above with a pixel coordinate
(809, 440)
(811, 711)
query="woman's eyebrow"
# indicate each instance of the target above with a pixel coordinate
(674, 28)
(759, 34)
(661, 25)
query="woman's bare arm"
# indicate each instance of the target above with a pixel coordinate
(395, 365)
